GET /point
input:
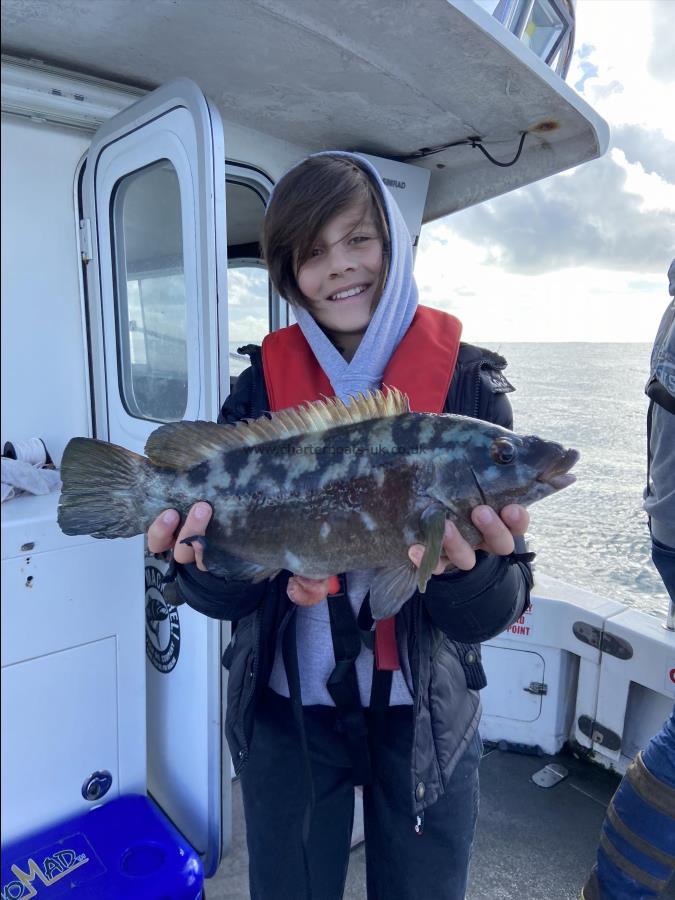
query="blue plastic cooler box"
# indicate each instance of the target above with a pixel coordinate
(124, 849)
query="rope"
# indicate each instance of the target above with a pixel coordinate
(32, 451)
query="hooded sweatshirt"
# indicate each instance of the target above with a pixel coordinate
(364, 372)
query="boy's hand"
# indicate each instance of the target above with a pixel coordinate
(498, 532)
(311, 591)
(162, 534)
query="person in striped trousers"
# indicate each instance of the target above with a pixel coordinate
(636, 855)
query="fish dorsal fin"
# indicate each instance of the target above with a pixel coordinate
(183, 445)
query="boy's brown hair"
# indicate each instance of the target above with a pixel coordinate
(305, 199)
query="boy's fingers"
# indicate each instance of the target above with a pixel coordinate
(416, 552)
(455, 551)
(497, 538)
(327, 585)
(161, 534)
(307, 591)
(197, 544)
(498, 532)
(196, 522)
(458, 551)
(198, 518)
(183, 553)
(516, 518)
(198, 550)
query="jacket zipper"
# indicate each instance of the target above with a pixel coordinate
(406, 668)
(253, 677)
(476, 396)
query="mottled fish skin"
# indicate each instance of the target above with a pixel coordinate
(321, 501)
(308, 501)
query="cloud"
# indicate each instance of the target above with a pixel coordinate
(589, 80)
(649, 147)
(588, 70)
(602, 91)
(661, 59)
(247, 300)
(248, 329)
(585, 218)
(585, 51)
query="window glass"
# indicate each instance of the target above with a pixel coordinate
(151, 296)
(248, 301)
(248, 291)
(544, 29)
(541, 24)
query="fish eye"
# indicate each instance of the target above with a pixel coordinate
(503, 451)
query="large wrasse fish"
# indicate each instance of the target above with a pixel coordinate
(323, 488)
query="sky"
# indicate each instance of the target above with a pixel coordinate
(583, 255)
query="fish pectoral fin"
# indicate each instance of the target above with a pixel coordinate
(391, 588)
(227, 565)
(432, 523)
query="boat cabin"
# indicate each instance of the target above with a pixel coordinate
(140, 144)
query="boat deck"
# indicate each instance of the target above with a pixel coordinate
(532, 843)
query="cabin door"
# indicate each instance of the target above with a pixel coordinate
(154, 230)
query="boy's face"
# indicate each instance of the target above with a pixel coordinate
(341, 278)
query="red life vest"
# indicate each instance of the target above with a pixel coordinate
(421, 367)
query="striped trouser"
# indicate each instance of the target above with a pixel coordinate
(636, 856)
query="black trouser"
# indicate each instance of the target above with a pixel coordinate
(400, 864)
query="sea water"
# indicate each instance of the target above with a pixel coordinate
(591, 397)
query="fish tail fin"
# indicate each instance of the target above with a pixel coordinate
(104, 488)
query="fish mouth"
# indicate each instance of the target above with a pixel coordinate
(558, 474)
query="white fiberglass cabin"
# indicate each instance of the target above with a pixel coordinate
(140, 142)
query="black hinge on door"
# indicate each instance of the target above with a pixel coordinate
(616, 646)
(607, 643)
(537, 687)
(599, 733)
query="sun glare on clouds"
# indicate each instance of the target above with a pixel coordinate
(581, 256)
(572, 304)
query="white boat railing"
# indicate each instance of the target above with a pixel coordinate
(579, 667)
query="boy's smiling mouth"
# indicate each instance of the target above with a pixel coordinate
(348, 293)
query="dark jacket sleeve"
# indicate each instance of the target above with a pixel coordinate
(477, 605)
(217, 597)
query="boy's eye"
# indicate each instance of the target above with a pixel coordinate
(360, 238)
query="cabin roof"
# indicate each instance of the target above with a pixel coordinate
(386, 78)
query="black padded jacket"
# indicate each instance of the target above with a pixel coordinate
(441, 630)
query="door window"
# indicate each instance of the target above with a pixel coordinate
(151, 295)
(248, 297)
(248, 287)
